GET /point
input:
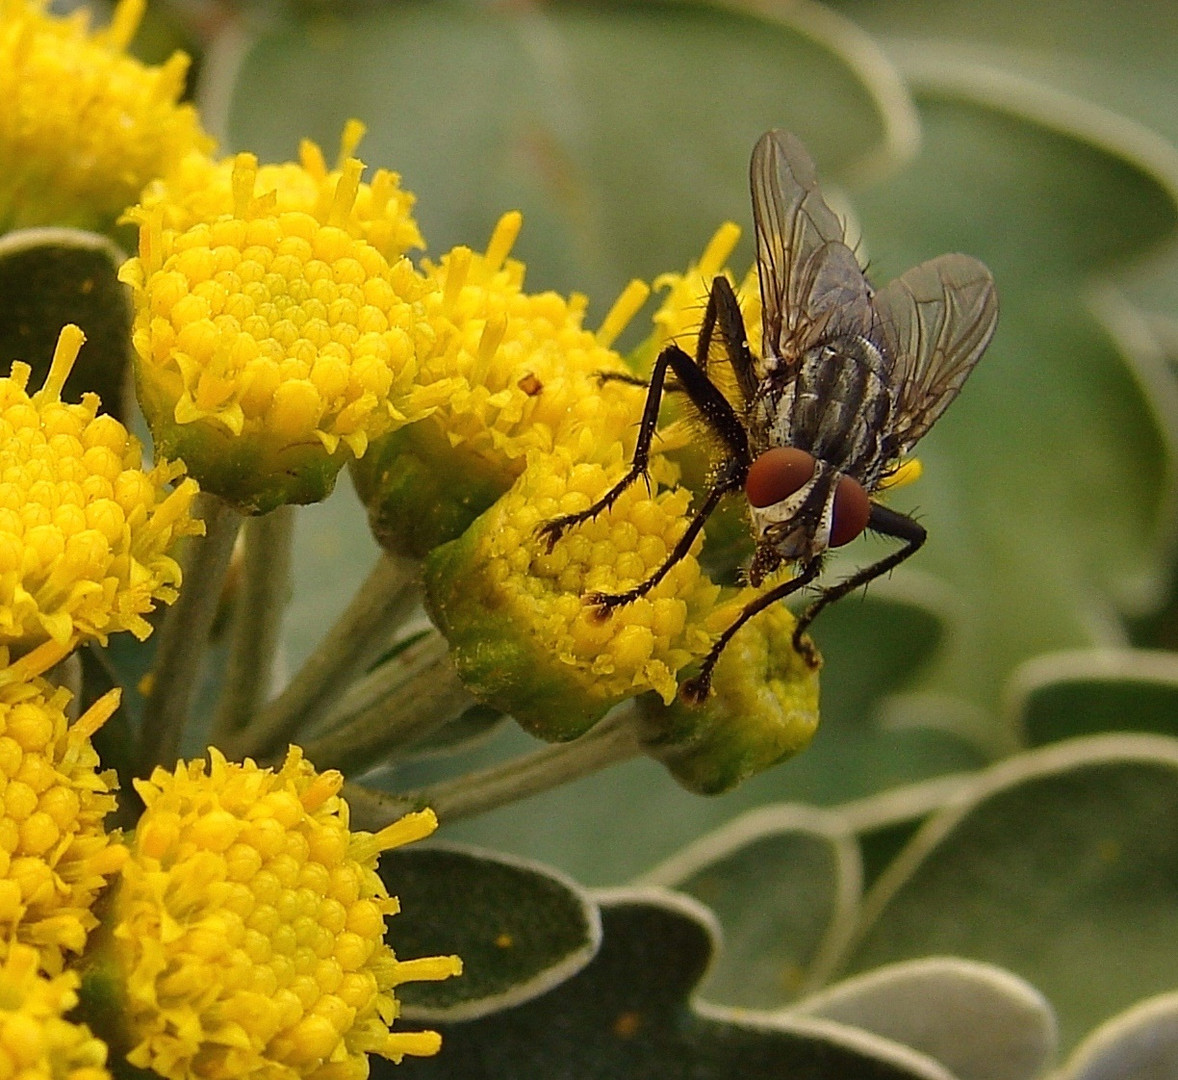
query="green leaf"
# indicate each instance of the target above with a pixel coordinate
(1087, 691)
(520, 928)
(626, 1016)
(783, 882)
(1058, 865)
(1139, 1044)
(1120, 56)
(587, 117)
(50, 277)
(979, 1021)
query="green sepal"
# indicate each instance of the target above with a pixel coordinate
(102, 994)
(763, 709)
(253, 473)
(420, 491)
(503, 663)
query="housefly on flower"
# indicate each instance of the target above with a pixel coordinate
(848, 382)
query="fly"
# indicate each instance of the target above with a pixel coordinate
(849, 381)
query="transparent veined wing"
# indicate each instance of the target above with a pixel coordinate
(810, 279)
(934, 322)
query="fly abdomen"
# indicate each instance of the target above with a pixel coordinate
(841, 403)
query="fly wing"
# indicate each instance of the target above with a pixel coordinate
(810, 279)
(935, 322)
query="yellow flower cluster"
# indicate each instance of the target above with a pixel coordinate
(526, 374)
(248, 928)
(203, 189)
(516, 614)
(36, 1041)
(84, 530)
(55, 857)
(276, 320)
(83, 126)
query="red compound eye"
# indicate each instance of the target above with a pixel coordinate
(852, 509)
(777, 474)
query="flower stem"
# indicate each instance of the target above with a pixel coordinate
(257, 620)
(185, 633)
(613, 740)
(407, 697)
(385, 598)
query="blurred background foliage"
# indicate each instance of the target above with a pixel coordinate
(1038, 138)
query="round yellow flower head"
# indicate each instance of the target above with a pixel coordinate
(763, 707)
(84, 530)
(379, 212)
(83, 126)
(525, 376)
(277, 327)
(55, 857)
(248, 925)
(521, 632)
(36, 1041)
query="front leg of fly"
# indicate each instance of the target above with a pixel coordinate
(886, 522)
(729, 477)
(553, 530)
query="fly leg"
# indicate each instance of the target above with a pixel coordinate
(713, 406)
(723, 314)
(730, 478)
(887, 523)
(671, 356)
(695, 689)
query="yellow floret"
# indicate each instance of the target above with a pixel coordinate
(203, 189)
(55, 857)
(83, 126)
(85, 532)
(36, 1041)
(248, 928)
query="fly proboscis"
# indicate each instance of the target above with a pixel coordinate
(848, 381)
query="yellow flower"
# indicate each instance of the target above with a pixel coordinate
(55, 857)
(84, 530)
(527, 373)
(277, 327)
(247, 929)
(83, 126)
(524, 376)
(521, 632)
(36, 1041)
(203, 189)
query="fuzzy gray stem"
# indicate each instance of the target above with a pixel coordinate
(185, 633)
(406, 698)
(613, 740)
(257, 620)
(387, 596)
